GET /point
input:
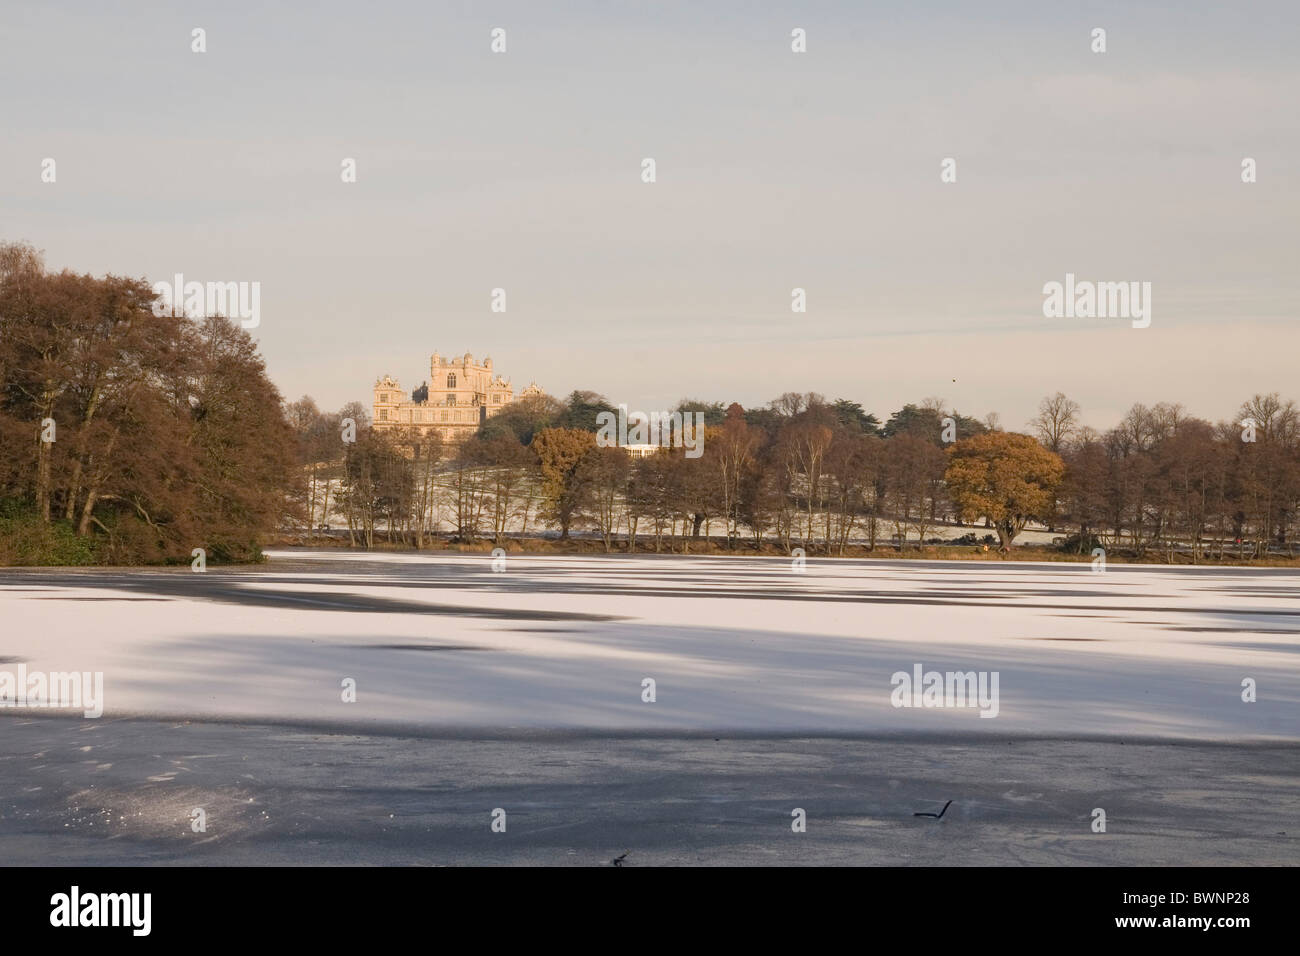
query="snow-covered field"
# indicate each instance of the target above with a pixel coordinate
(743, 645)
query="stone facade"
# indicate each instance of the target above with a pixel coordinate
(459, 396)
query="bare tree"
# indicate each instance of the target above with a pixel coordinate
(1057, 421)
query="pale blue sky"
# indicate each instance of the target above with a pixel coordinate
(775, 170)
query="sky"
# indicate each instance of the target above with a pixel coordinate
(775, 170)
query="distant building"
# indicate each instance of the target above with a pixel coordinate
(459, 396)
(640, 451)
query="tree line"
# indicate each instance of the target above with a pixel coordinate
(825, 476)
(127, 437)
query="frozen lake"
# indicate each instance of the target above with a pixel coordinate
(442, 642)
(523, 690)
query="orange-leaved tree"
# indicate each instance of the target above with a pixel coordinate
(1005, 477)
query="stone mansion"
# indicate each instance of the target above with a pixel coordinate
(459, 396)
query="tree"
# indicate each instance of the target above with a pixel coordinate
(18, 259)
(604, 472)
(1084, 488)
(509, 465)
(1057, 421)
(357, 412)
(851, 416)
(714, 412)
(166, 433)
(1006, 477)
(469, 477)
(426, 461)
(244, 445)
(650, 491)
(581, 411)
(766, 420)
(1188, 464)
(927, 421)
(789, 404)
(734, 447)
(913, 472)
(852, 465)
(524, 418)
(378, 483)
(1267, 473)
(558, 451)
(698, 490)
(808, 443)
(320, 455)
